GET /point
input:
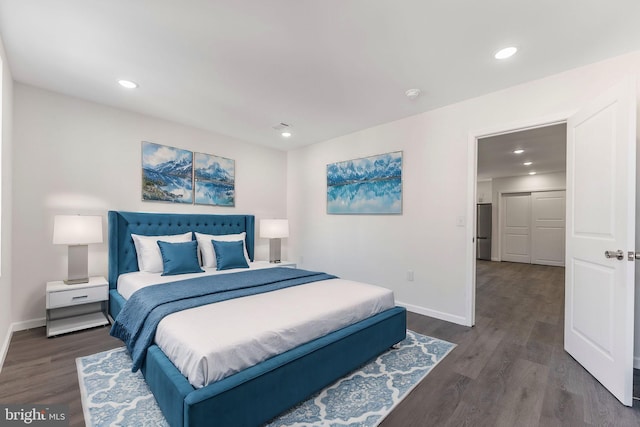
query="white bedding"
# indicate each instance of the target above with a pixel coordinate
(211, 342)
(128, 283)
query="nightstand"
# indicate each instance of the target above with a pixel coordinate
(75, 307)
(289, 264)
(265, 264)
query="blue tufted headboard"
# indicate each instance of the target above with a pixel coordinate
(122, 252)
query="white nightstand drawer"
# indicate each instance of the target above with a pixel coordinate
(78, 296)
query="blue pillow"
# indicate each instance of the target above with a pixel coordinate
(179, 258)
(229, 254)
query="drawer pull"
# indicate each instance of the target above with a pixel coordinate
(80, 297)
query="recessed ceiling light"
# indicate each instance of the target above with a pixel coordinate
(286, 134)
(518, 151)
(532, 173)
(527, 163)
(128, 84)
(506, 52)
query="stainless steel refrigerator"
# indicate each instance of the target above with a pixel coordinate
(483, 231)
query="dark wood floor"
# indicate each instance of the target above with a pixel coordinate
(508, 370)
(41, 370)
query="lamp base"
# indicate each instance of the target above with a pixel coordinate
(78, 265)
(274, 251)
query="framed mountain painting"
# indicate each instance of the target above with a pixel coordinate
(214, 180)
(369, 185)
(167, 173)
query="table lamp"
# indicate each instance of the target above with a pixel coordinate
(77, 231)
(274, 230)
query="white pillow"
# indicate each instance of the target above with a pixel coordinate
(206, 247)
(148, 251)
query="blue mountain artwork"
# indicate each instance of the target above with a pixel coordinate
(214, 180)
(169, 181)
(365, 186)
(371, 168)
(214, 172)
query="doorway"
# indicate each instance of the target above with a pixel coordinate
(499, 169)
(600, 213)
(510, 162)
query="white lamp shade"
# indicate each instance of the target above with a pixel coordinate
(77, 229)
(274, 228)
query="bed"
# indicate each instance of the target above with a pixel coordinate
(258, 393)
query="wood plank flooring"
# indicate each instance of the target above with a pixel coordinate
(508, 370)
(511, 368)
(42, 370)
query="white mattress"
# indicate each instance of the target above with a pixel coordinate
(211, 342)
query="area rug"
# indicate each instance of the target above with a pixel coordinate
(112, 395)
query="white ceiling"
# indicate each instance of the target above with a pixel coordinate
(544, 147)
(326, 67)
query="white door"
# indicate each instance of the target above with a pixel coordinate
(599, 291)
(547, 227)
(516, 227)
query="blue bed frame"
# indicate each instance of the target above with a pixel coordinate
(261, 392)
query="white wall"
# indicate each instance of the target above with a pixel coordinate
(5, 206)
(73, 156)
(519, 184)
(425, 238)
(484, 192)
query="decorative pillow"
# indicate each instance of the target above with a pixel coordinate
(229, 254)
(206, 247)
(148, 252)
(179, 258)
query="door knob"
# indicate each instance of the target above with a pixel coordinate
(614, 254)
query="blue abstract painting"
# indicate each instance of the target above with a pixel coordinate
(370, 185)
(167, 173)
(214, 180)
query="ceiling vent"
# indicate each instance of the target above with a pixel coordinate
(281, 127)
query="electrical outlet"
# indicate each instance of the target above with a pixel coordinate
(410, 275)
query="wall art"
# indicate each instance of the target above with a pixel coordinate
(370, 185)
(167, 173)
(214, 180)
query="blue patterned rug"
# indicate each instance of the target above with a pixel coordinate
(113, 395)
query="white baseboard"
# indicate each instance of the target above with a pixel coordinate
(5, 346)
(15, 327)
(28, 324)
(460, 320)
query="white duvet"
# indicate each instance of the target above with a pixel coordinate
(211, 342)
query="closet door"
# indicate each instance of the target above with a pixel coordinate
(516, 227)
(547, 227)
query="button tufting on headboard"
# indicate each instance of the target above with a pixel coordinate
(123, 224)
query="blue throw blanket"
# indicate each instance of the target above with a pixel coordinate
(137, 321)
